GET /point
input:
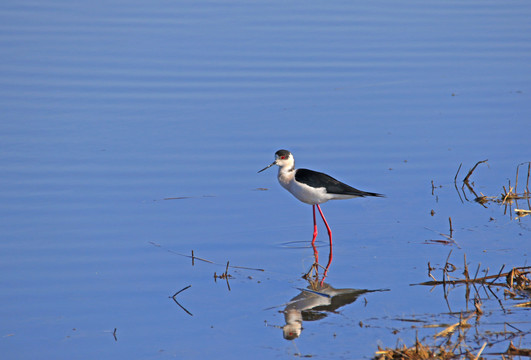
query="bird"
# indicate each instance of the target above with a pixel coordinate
(313, 188)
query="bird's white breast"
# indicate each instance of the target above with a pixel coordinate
(303, 192)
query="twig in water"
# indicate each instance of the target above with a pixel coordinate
(465, 272)
(451, 230)
(446, 264)
(457, 173)
(477, 305)
(528, 171)
(516, 182)
(496, 278)
(193, 257)
(465, 180)
(429, 271)
(174, 299)
(510, 276)
(455, 183)
(513, 350)
(477, 271)
(448, 237)
(480, 351)
(225, 276)
(450, 329)
(522, 212)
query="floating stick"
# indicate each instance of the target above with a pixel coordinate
(174, 299)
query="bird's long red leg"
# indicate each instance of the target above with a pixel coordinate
(315, 252)
(330, 236)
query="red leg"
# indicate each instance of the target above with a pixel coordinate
(330, 236)
(315, 252)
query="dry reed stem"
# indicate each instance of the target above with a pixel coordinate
(465, 180)
(522, 212)
(524, 305)
(450, 329)
(457, 173)
(480, 351)
(516, 278)
(512, 193)
(451, 229)
(513, 350)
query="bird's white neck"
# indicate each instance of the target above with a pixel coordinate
(286, 175)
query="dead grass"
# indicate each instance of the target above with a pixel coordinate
(464, 339)
(419, 351)
(515, 281)
(508, 197)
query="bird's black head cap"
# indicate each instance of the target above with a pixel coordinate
(283, 154)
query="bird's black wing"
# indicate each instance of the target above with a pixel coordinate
(317, 180)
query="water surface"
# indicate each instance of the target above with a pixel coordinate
(109, 108)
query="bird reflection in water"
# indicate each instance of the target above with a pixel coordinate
(314, 303)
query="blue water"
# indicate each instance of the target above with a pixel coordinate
(109, 108)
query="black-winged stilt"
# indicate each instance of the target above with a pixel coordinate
(314, 188)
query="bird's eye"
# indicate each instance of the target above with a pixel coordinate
(282, 157)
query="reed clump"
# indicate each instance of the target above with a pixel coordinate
(510, 194)
(419, 351)
(467, 338)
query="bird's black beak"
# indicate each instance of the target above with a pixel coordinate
(268, 166)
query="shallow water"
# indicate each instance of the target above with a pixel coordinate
(131, 134)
